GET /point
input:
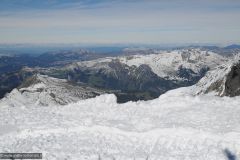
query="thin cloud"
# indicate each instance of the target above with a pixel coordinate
(149, 21)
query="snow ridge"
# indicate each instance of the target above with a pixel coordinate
(46, 91)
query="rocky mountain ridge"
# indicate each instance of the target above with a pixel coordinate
(43, 90)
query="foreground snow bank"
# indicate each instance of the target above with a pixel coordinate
(175, 126)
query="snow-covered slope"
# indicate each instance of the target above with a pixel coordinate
(45, 91)
(222, 81)
(175, 126)
(164, 64)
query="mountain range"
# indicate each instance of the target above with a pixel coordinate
(130, 77)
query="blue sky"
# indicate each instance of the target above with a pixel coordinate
(120, 21)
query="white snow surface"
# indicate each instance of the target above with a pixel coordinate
(175, 126)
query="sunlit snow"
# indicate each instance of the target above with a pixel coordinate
(177, 125)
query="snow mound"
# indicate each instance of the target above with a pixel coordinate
(177, 125)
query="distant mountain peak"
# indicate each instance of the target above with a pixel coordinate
(232, 46)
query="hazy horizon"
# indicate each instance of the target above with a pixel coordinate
(120, 22)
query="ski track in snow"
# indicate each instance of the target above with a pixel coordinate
(174, 126)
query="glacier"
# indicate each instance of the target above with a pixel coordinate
(176, 126)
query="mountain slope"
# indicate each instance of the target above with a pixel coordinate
(223, 81)
(45, 91)
(168, 64)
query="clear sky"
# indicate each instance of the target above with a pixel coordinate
(120, 21)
